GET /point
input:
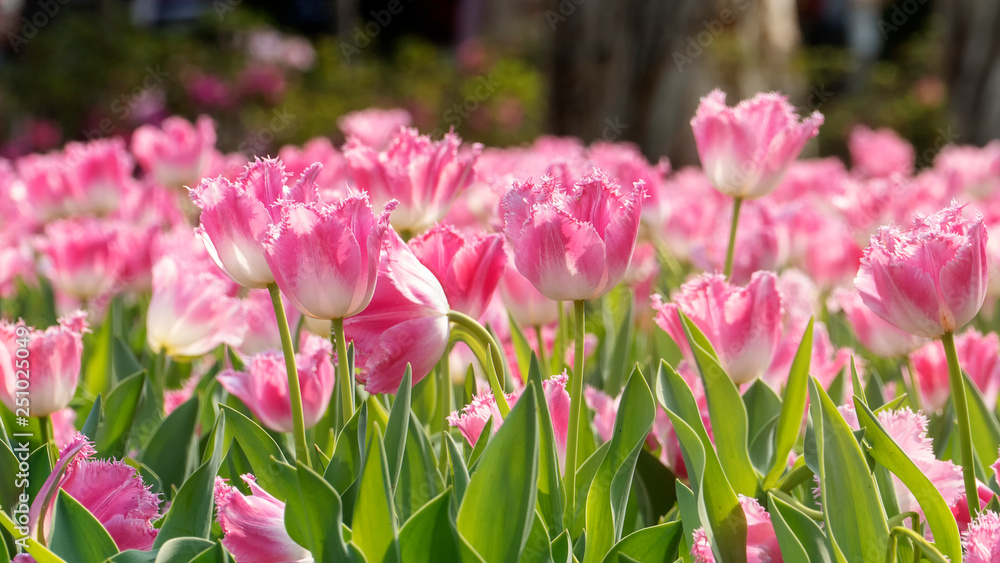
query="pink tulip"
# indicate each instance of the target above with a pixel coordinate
(625, 163)
(374, 127)
(177, 153)
(960, 510)
(254, 526)
(981, 542)
(80, 257)
(48, 360)
(689, 213)
(192, 311)
(525, 303)
(743, 324)
(927, 280)
(573, 242)
(235, 217)
(406, 321)
(332, 179)
(63, 426)
(762, 542)
(468, 267)
(746, 150)
(976, 170)
(761, 238)
(880, 154)
(99, 173)
(262, 328)
(263, 387)
(111, 490)
(43, 177)
(979, 356)
(878, 336)
(472, 419)
(424, 176)
(324, 256)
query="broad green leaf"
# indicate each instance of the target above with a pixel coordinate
(37, 550)
(314, 514)
(419, 480)
(537, 548)
(522, 349)
(496, 514)
(97, 368)
(182, 549)
(799, 537)
(190, 513)
(584, 478)
(10, 485)
(726, 410)
(345, 465)
(762, 405)
(459, 473)
(76, 535)
(887, 452)
(123, 361)
(395, 432)
(610, 489)
(793, 408)
(171, 450)
(93, 419)
(430, 535)
(985, 430)
(374, 524)
(855, 520)
(673, 394)
(484, 439)
(550, 485)
(258, 447)
(562, 548)
(658, 483)
(616, 362)
(687, 507)
(119, 414)
(215, 554)
(656, 543)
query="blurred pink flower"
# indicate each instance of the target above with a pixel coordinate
(976, 170)
(981, 542)
(929, 279)
(743, 324)
(406, 321)
(468, 267)
(80, 257)
(880, 153)
(573, 241)
(63, 426)
(526, 304)
(979, 356)
(374, 127)
(761, 243)
(262, 328)
(177, 153)
(50, 361)
(263, 387)
(746, 150)
(209, 91)
(99, 173)
(689, 212)
(422, 175)
(762, 542)
(878, 336)
(332, 179)
(254, 526)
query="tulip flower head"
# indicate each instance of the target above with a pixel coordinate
(254, 525)
(374, 127)
(929, 279)
(878, 336)
(177, 154)
(880, 154)
(979, 356)
(746, 150)
(981, 542)
(51, 357)
(573, 242)
(80, 257)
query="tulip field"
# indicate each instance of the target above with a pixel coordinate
(418, 349)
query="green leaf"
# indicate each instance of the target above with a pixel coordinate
(9, 489)
(76, 535)
(726, 410)
(459, 473)
(395, 432)
(215, 554)
(258, 447)
(656, 543)
(345, 465)
(93, 419)
(616, 363)
(658, 483)
(793, 407)
(190, 513)
(537, 548)
(123, 361)
(550, 485)
(430, 535)
(97, 367)
(171, 450)
(484, 439)
(182, 549)
(419, 478)
(610, 489)
(985, 430)
(584, 478)
(687, 507)
(496, 514)
(799, 537)
(119, 414)
(887, 452)
(37, 550)
(374, 523)
(314, 514)
(522, 349)
(855, 520)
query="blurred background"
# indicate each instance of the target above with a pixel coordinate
(501, 72)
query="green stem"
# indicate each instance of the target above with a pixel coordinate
(294, 392)
(575, 410)
(444, 400)
(795, 478)
(560, 349)
(484, 337)
(737, 202)
(45, 423)
(345, 377)
(914, 384)
(964, 427)
(541, 349)
(810, 512)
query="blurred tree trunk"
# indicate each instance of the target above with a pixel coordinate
(972, 67)
(615, 65)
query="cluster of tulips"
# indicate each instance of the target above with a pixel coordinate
(411, 349)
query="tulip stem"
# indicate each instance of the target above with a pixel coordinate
(560, 349)
(345, 377)
(541, 349)
(575, 410)
(444, 400)
(914, 384)
(964, 427)
(737, 203)
(45, 425)
(294, 392)
(484, 337)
